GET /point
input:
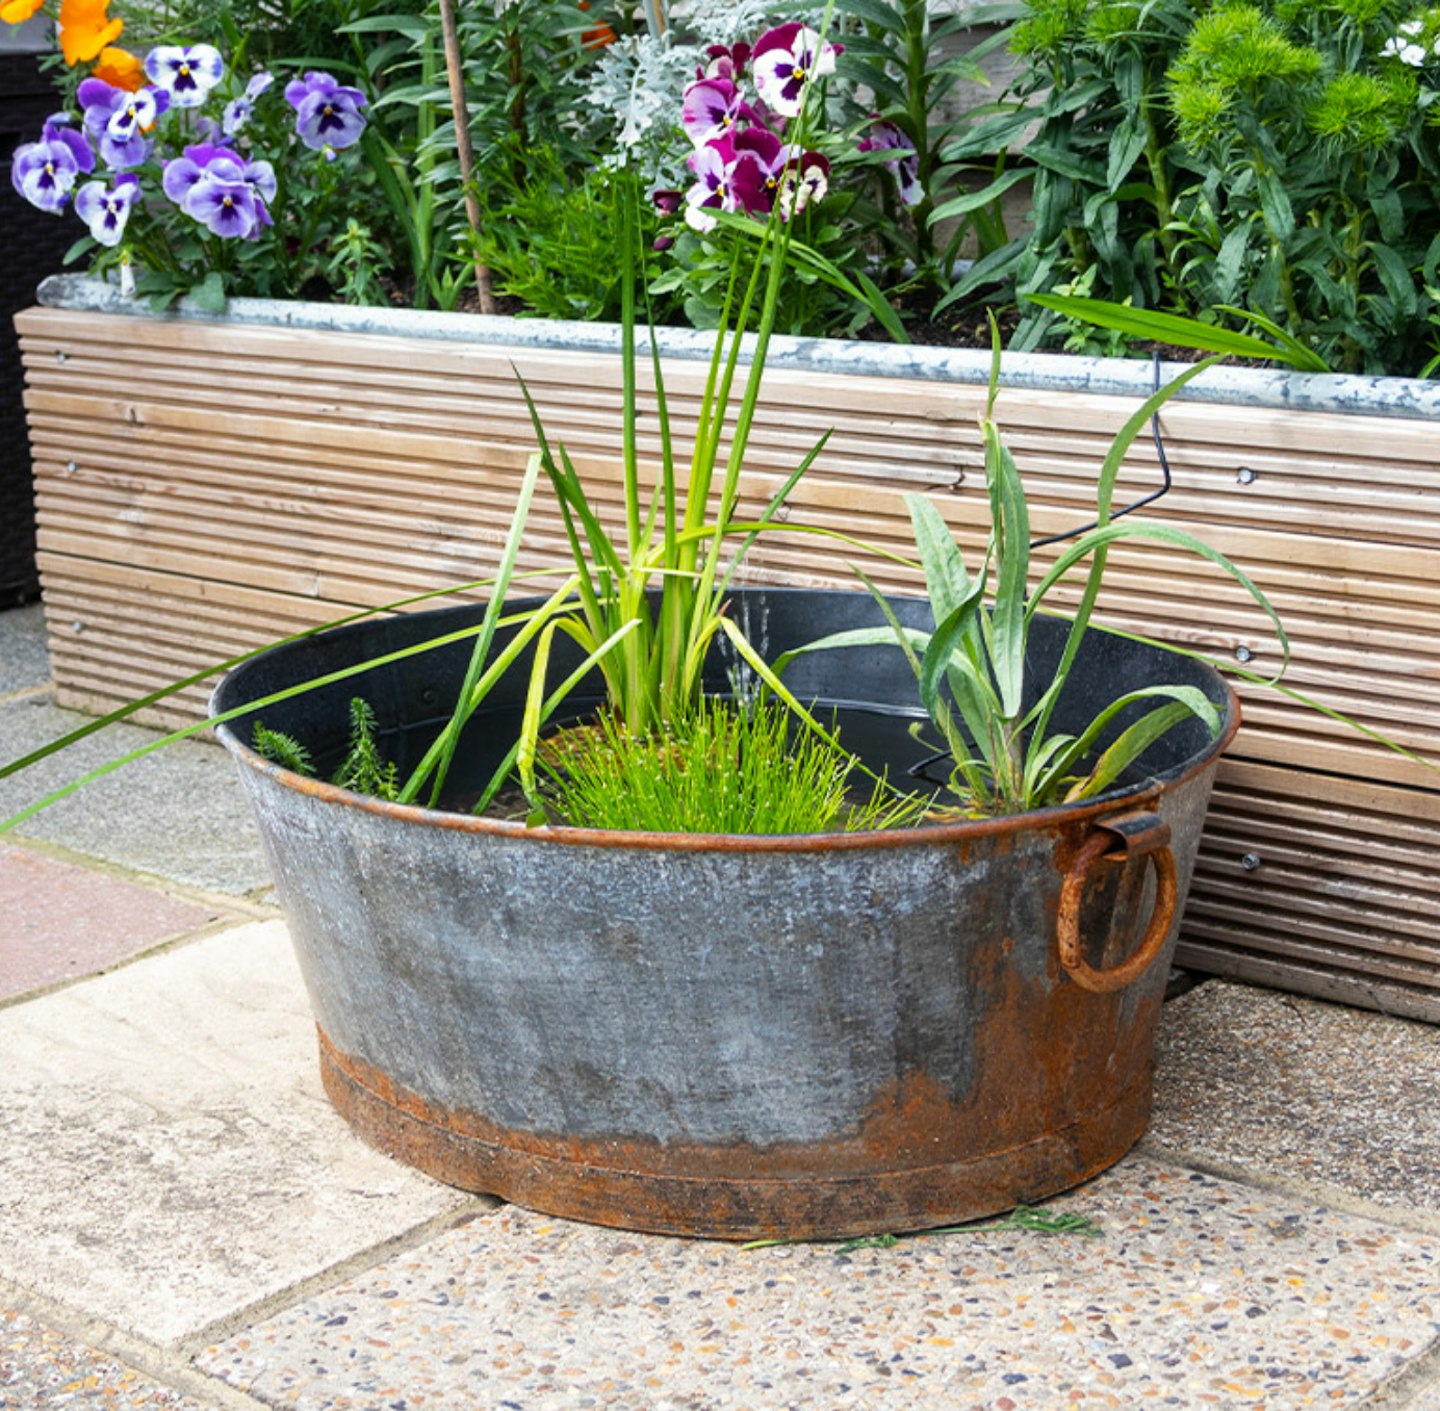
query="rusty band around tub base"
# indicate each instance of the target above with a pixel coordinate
(729, 1206)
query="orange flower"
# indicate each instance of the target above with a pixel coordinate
(85, 29)
(18, 11)
(120, 69)
(600, 35)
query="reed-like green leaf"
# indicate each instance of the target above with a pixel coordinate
(450, 737)
(1051, 766)
(1183, 332)
(1161, 534)
(1133, 741)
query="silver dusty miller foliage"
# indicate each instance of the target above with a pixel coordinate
(637, 85)
(636, 90)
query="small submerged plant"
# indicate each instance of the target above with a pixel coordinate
(362, 771)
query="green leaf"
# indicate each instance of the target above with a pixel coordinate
(1161, 534)
(1299, 355)
(209, 294)
(1063, 160)
(1230, 261)
(993, 268)
(1396, 277)
(1051, 766)
(1133, 742)
(1010, 531)
(912, 639)
(973, 200)
(1275, 202)
(1126, 146)
(876, 12)
(949, 633)
(412, 26)
(946, 579)
(873, 77)
(1172, 328)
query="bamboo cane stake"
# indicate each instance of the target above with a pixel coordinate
(463, 147)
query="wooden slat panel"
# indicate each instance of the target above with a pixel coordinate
(245, 486)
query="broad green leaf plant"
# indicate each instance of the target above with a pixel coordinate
(972, 668)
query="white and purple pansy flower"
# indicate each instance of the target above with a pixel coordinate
(784, 60)
(107, 209)
(186, 72)
(119, 120)
(45, 172)
(804, 183)
(711, 108)
(223, 191)
(327, 116)
(714, 167)
(886, 137)
(239, 111)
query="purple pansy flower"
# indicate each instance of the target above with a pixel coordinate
(238, 111)
(225, 208)
(106, 211)
(785, 59)
(711, 108)
(760, 159)
(223, 191)
(118, 121)
(327, 116)
(186, 72)
(728, 63)
(886, 137)
(44, 172)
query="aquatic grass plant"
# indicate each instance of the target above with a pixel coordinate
(723, 767)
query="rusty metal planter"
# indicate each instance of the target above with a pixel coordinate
(730, 1036)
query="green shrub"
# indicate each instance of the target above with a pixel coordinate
(1276, 156)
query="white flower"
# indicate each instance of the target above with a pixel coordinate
(187, 72)
(1404, 50)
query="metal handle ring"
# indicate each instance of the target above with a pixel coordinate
(1167, 893)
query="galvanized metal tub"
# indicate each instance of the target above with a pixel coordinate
(730, 1036)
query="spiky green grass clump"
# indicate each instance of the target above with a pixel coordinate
(721, 769)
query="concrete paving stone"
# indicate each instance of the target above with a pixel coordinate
(1199, 1293)
(59, 921)
(40, 1367)
(1270, 1082)
(177, 814)
(167, 1155)
(24, 657)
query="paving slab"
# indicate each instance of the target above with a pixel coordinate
(42, 1367)
(1280, 1085)
(1198, 1293)
(167, 1155)
(59, 921)
(177, 814)
(24, 657)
